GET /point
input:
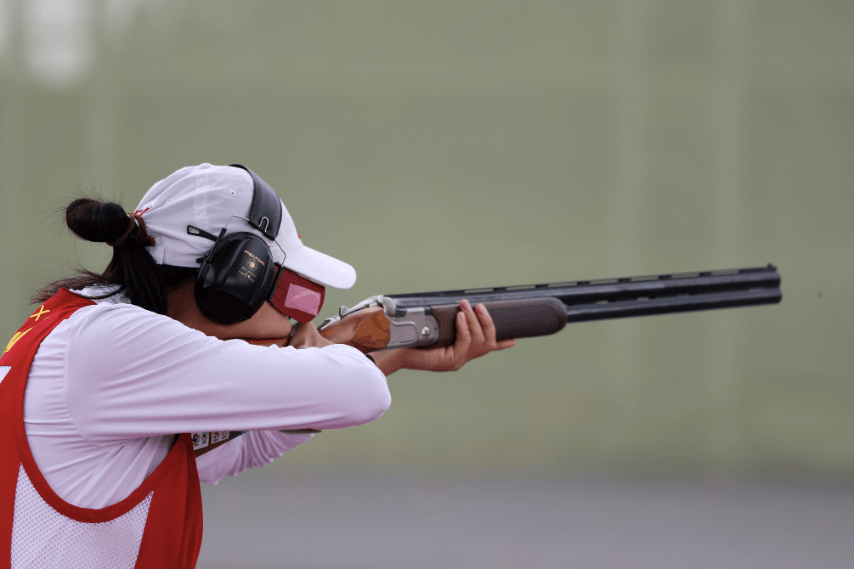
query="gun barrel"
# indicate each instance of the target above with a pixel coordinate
(631, 296)
(670, 304)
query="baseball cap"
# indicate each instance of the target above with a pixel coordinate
(208, 197)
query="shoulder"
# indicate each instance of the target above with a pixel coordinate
(113, 326)
(109, 313)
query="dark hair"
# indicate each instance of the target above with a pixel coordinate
(132, 270)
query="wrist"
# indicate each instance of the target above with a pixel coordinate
(389, 361)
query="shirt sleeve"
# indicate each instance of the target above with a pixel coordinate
(251, 450)
(133, 373)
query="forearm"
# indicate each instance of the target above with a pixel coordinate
(252, 450)
(390, 361)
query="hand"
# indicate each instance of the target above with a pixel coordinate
(475, 338)
(307, 336)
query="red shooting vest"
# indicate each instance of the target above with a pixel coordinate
(158, 526)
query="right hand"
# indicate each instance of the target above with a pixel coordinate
(307, 336)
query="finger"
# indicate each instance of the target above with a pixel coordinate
(300, 337)
(486, 323)
(464, 339)
(315, 339)
(307, 336)
(475, 329)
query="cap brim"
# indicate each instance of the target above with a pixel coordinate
(321, 268)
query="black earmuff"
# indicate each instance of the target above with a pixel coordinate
(237, 275)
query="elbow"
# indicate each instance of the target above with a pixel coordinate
(371, 401)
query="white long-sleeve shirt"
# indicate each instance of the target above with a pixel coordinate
(111, 386)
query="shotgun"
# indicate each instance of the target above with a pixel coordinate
(426, 319)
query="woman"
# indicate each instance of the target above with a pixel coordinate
(188, 330)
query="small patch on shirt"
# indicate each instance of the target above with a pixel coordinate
(218, 436)
(200, 440)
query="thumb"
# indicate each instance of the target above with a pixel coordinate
(307, 336)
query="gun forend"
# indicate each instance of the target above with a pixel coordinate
(522, 318)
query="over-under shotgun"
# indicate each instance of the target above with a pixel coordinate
(426, 319)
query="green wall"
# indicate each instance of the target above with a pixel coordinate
(450, 144)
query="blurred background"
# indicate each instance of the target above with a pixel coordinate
(451, 144)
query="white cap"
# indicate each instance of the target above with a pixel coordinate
(207, 197)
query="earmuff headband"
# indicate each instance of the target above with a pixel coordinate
(265, 215)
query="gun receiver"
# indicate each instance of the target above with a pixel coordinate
(426, 319)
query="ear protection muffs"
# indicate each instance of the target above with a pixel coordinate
(237, 275)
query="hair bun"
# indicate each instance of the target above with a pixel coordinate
(93, 220)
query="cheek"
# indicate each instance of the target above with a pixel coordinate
(267, 323)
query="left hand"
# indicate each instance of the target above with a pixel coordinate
(475, 338)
